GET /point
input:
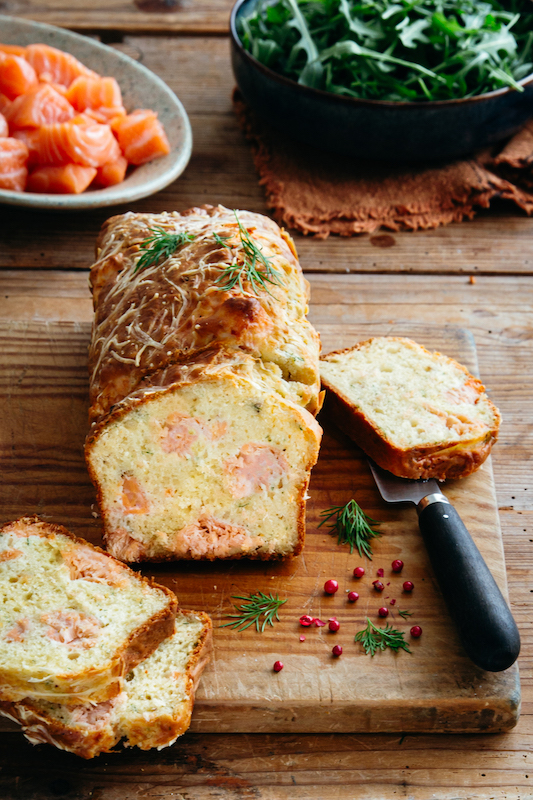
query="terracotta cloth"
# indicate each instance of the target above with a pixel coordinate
(317, 193)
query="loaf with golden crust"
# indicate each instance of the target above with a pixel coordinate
(203, 393)
(154, 708)
(73, 619)
(415, 413)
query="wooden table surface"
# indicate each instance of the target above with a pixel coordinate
(477, 275)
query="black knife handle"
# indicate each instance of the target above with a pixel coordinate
(486, 627)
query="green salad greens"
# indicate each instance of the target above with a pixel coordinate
(399, 50)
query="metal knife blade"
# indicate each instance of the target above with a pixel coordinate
(485, 625)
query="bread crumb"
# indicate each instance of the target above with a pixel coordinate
(472, 279)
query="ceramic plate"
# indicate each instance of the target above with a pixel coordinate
(140, 89)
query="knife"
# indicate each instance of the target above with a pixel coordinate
(485, 624)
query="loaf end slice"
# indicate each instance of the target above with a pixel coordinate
(73, 619)
(415, 413)
(153, 710)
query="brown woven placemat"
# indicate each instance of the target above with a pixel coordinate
(318, 193)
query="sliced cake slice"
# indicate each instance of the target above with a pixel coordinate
(73, 619)
(154, 708)
(417, 414)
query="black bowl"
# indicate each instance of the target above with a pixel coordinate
(421, 131)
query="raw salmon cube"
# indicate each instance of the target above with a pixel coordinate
(67, 179)
(13, 161)
(112, 173)
(16, 75)
(30, 137)
(79, 142)
(141, 136)
(40, 106)
(55, 65)
(12, 49)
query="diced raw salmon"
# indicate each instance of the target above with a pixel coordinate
(55, 65)
(112, 173)
(16, 75)
(13, 49)
(67, 179)
(5, 102)
(99, 94)
(141, 136)
(77, 142)
(40, 106)
(13, 161)
(30, 137)
(105, 114)
(133, 497)
(4, 129)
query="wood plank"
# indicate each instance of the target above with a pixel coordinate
(499, 241)
(150, 16)
(43, 403)
(276, 767)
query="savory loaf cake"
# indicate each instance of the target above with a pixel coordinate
(417, 414)
(204, 383)
(153, 709)
(73, 619)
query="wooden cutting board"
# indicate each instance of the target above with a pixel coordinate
(43, 409)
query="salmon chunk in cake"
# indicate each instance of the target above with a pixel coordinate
(73, 620)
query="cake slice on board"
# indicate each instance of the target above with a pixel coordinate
(153, 709)
(415, 413)
(73, 620)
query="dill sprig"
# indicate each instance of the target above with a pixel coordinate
(256, 268)
(160, 246)
(352, 527)
(254, 607)
(373, 638)
(404, 614)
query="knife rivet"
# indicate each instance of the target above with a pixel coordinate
(445, 516)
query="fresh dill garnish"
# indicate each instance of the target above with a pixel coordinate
(254, 607)
(160, 246)
(404, 614)
(352, 527)
(373, 638)
(256, 268)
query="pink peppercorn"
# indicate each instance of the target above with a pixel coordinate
(278, 666)
(334, 625)
(352, 597)
(397, 565)
(302, 638)
(378, 586)
(306, 620)
(416, 631)
(383, 611)
(358, 572)
(337, 650)
(331, 586)
(408, 586)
